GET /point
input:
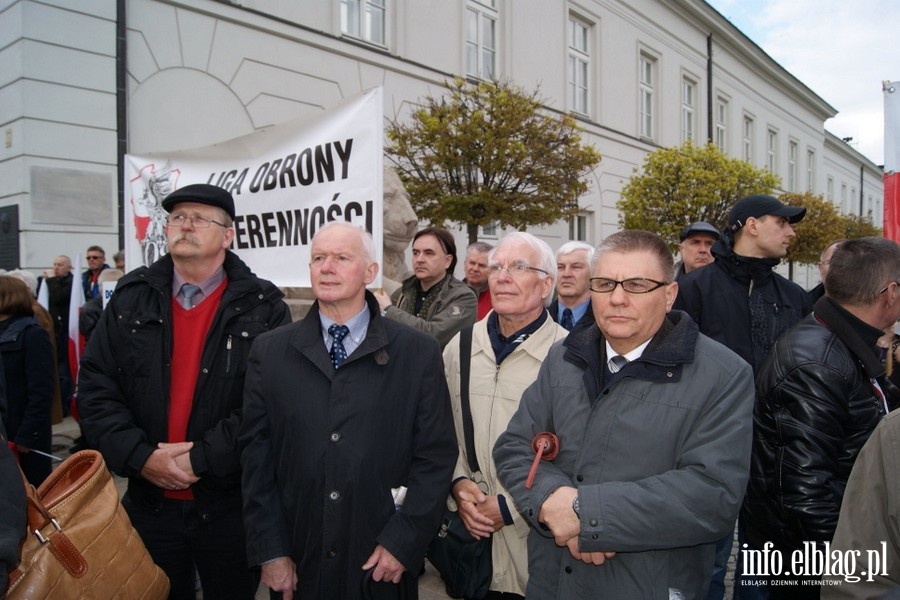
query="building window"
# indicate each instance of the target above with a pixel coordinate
(579, 65)
(845, 208)
(721, 122)
(792, 166)
(853, 198)
(646, 95)
(481, 39)
(578, 226)
(489, 230)
(747, 139)
(829, 189)
(811, 171)
(363, 19)
(772, 150)
(688, 108)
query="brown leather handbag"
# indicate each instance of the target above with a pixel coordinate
(80, 542)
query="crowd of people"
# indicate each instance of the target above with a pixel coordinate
(687, 402)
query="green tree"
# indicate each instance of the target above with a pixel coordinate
(687, 183)
(820, 226)
(490, 153)
(856, 226)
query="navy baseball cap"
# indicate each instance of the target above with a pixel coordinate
(760, 205)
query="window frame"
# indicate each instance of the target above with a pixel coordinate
(647, 77)
(748, 137)
(363, 26)
(579, 93)
(484, 12)
(688, 108)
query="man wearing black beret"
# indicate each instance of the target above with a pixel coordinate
(696, 244)
(161, 393)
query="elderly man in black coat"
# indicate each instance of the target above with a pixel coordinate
(341, 411)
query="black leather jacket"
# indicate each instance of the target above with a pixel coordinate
(815, 408)
(123, 391)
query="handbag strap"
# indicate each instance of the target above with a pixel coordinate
(465, 363)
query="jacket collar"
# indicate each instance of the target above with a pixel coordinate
(16, 326)
(857, 335)
(307, 338)
(743, 268)
(669, 350)
(241, 279)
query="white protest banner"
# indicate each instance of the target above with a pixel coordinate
(287, 181)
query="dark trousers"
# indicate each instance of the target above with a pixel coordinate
(179, 540)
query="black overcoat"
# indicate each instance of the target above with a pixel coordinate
(324, 448)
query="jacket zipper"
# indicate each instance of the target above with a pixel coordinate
(228, 355)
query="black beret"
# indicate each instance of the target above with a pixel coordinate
(201, 193)
(699, 227)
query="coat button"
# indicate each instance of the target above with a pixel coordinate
(335, 436)
(245, 334)
(579, 478)
(334, 495)
(204, 371)
(569, 570)
(593, 522)
(332, 553)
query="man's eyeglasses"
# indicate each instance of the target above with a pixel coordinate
(96, 257)
(517, 268)
(888, 286)
(197, 222)
(635, 285)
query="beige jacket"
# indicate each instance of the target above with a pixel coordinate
(494, 396)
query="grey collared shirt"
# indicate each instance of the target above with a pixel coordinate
(207, 287)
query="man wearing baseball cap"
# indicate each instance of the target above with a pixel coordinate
(696, 244)
(161, 393)
(740, 301)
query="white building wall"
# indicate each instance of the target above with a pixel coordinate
(203, 71)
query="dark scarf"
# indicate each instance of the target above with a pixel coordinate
(419, 305)
(504, 346)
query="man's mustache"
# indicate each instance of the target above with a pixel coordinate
(185, 237)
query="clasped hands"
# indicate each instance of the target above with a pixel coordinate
(169, 466)
(557, 514)
(479, 512)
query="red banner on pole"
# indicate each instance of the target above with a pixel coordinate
(892, 160)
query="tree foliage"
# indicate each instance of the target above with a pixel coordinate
(687, 183)
(856, 226)
(820, 226)
(490, 152)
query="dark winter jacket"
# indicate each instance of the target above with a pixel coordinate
(742, 303)
(124, 380)
(28, 362)
(12, 512)
(325, 447)
(816, 407)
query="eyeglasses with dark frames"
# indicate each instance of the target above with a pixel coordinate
(517, 268)
(635, 285)
(197, 222)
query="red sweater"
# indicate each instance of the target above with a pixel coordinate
(189, 330)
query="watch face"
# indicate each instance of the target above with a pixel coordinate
(576, 506)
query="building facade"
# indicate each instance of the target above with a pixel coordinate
(84, 81)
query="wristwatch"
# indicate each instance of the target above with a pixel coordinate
(576, 506)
